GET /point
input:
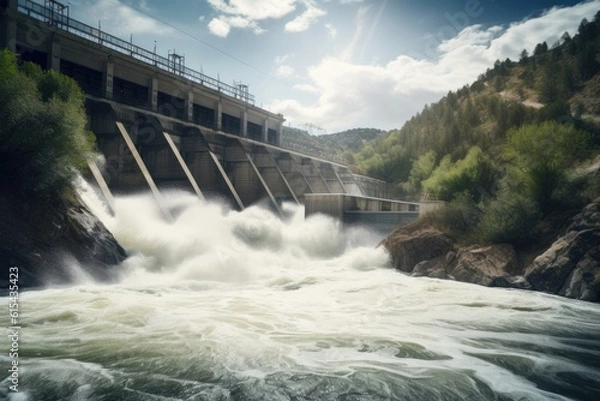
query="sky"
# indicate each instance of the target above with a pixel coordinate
(332, 65)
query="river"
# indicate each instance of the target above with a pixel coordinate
(225, 305)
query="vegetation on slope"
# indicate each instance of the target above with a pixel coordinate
(43, 139)
(507, 150)
(44, 225)
(335, 146)
(352, 139)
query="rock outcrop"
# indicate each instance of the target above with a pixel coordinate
(408, 249)
(569, 267)
(54, 241)
(490, 266)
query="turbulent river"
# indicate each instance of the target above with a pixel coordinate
(224, 305)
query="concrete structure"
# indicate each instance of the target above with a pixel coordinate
(109, 68)
(381, 214)
(161, 125)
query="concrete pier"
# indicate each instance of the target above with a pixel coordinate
(381, 214)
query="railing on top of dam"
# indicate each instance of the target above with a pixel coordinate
(64, 22)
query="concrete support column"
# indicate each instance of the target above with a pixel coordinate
(219, 115)
(189, 105)
(8, 25)
(244, 123)
(153, 93)
(265, 130)
(8, 4)
(55, 54)
(279, 129)
(109, 74)
(129, 141)
(8, 33)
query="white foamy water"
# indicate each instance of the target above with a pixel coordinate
(223, 305)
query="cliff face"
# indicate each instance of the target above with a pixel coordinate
(54, 242)
(569, 267)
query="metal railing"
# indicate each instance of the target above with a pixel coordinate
(308, 150)
(64, 22)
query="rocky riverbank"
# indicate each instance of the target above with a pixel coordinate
(570, 266)
(54, 241)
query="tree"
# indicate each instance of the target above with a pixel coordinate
(422, 169)
(539, 158)
(474, 175)
(524, 57)
(43, 129)
(508, 219)
(8, 65)
(550, 89)
(540, 49)
(586, 62)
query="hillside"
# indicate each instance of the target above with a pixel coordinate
(352, 139)
(333, 146)
(516, 158)
(46, 230)
(560, 83)
(511, 151)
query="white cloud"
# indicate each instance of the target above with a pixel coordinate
(332, 30)
(254, 11)
(284, 71)
(386, 95)
(219, 27)
(282, 58)
(244, 23)
(306, 88)
(222, 25)
(305, 20)
(547, 28)
(246, 14)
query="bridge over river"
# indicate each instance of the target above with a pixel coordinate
(161, 125)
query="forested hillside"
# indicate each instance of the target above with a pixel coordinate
(514, 143)
(332, 146)
(352, 139)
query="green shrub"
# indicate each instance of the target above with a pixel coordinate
(508, 219)
(474, 175)
(458, 218)
(422, 169)
(540, 159)
(43, 139)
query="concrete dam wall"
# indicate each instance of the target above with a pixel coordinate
(162, 125)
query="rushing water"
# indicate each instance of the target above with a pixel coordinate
(221, 305)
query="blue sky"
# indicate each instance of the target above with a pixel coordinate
(330, 65)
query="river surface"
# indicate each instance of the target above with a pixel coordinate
(222, 305)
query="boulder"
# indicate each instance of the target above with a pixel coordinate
(584, 281)
(408, 250)
(491, 266)
(54, 241)
(484, 265)
(570, 267)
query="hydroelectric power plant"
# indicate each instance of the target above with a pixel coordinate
(162, 125)
(242, 297)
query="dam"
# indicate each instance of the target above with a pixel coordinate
(162, 125)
